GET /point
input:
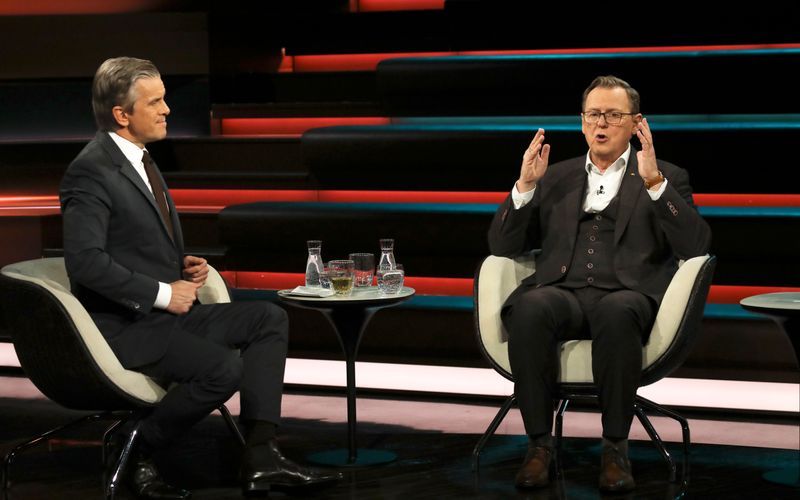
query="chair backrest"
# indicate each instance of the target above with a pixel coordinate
(670, 339)
(59, 346)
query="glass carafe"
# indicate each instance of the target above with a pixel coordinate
(314, 263)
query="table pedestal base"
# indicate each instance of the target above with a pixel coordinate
(789, 476)
(341, 457)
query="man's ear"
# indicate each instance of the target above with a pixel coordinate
(120, 116)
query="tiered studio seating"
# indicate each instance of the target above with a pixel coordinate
(349, 126)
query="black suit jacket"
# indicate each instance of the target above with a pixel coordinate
(649, 236)
(117, 248)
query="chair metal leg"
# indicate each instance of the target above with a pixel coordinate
(107, 435)
(562, 408)
(112, 486)
(226, 415)
(11, 455)
(651, 431)
(501, 414)
(653, 406)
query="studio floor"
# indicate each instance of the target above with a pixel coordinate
(433, 439)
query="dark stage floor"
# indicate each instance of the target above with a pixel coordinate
(431, 464)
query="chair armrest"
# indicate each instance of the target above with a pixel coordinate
(672, 309)
(215, 290)
(495, 279)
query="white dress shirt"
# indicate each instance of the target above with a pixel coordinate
(601, 187)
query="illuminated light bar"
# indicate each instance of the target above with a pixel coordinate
(463, 287)
(394, 5)
(350, 62)
(214, 200)
(60, 7)
(412, 197)
(747, 200)
(368, 62)
(290, 126)
(727, 294)
(430, 379)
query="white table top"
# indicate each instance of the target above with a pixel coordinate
(366, 295)
(777, 302)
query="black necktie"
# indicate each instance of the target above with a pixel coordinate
(158, 191)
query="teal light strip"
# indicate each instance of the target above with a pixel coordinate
(490, 208)
(749, 211)
(573, 123)
(606, 55)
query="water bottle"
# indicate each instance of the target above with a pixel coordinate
(314, 263)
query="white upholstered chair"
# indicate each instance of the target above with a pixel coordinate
(670, 342)
(64, 354)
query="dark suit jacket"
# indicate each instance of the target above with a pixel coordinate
(117, 249)
(649, 236)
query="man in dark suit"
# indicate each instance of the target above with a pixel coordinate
(124, 254)
(611, 226)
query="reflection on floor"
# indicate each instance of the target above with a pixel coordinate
(433, 441)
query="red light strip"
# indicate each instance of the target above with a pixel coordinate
(214, 200)
(60, 7)
(368, 62)
(292, 127)
(463, 287)
(726, 294)
(747, 200)
(394, 5)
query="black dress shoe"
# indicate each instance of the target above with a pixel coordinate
(146, 482)
(264, 467)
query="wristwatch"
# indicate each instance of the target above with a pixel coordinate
(658, 180)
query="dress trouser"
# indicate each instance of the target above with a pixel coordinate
(214, 351)
(618, 323)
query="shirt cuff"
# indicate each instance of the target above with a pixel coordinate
(655, 195)
(521, 199)
(163, 297)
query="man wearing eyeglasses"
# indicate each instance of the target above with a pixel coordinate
(611, 226)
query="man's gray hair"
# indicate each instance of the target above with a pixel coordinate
(113, 85)
(612, 82)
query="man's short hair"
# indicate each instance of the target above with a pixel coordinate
(113, 86)
(612, 82)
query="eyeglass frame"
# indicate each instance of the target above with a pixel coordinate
(604, 115)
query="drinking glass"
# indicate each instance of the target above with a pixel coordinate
(342, 273)
(325, 278)
(390, 281)
(365, 268)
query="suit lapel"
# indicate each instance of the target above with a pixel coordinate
(629, 192)
(127, 170)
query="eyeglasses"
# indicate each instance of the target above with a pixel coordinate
(612, 117)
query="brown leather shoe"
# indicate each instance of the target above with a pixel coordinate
(535, 471)
(615, 471)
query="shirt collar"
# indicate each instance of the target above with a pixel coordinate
(131, 151)
(618, 164)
